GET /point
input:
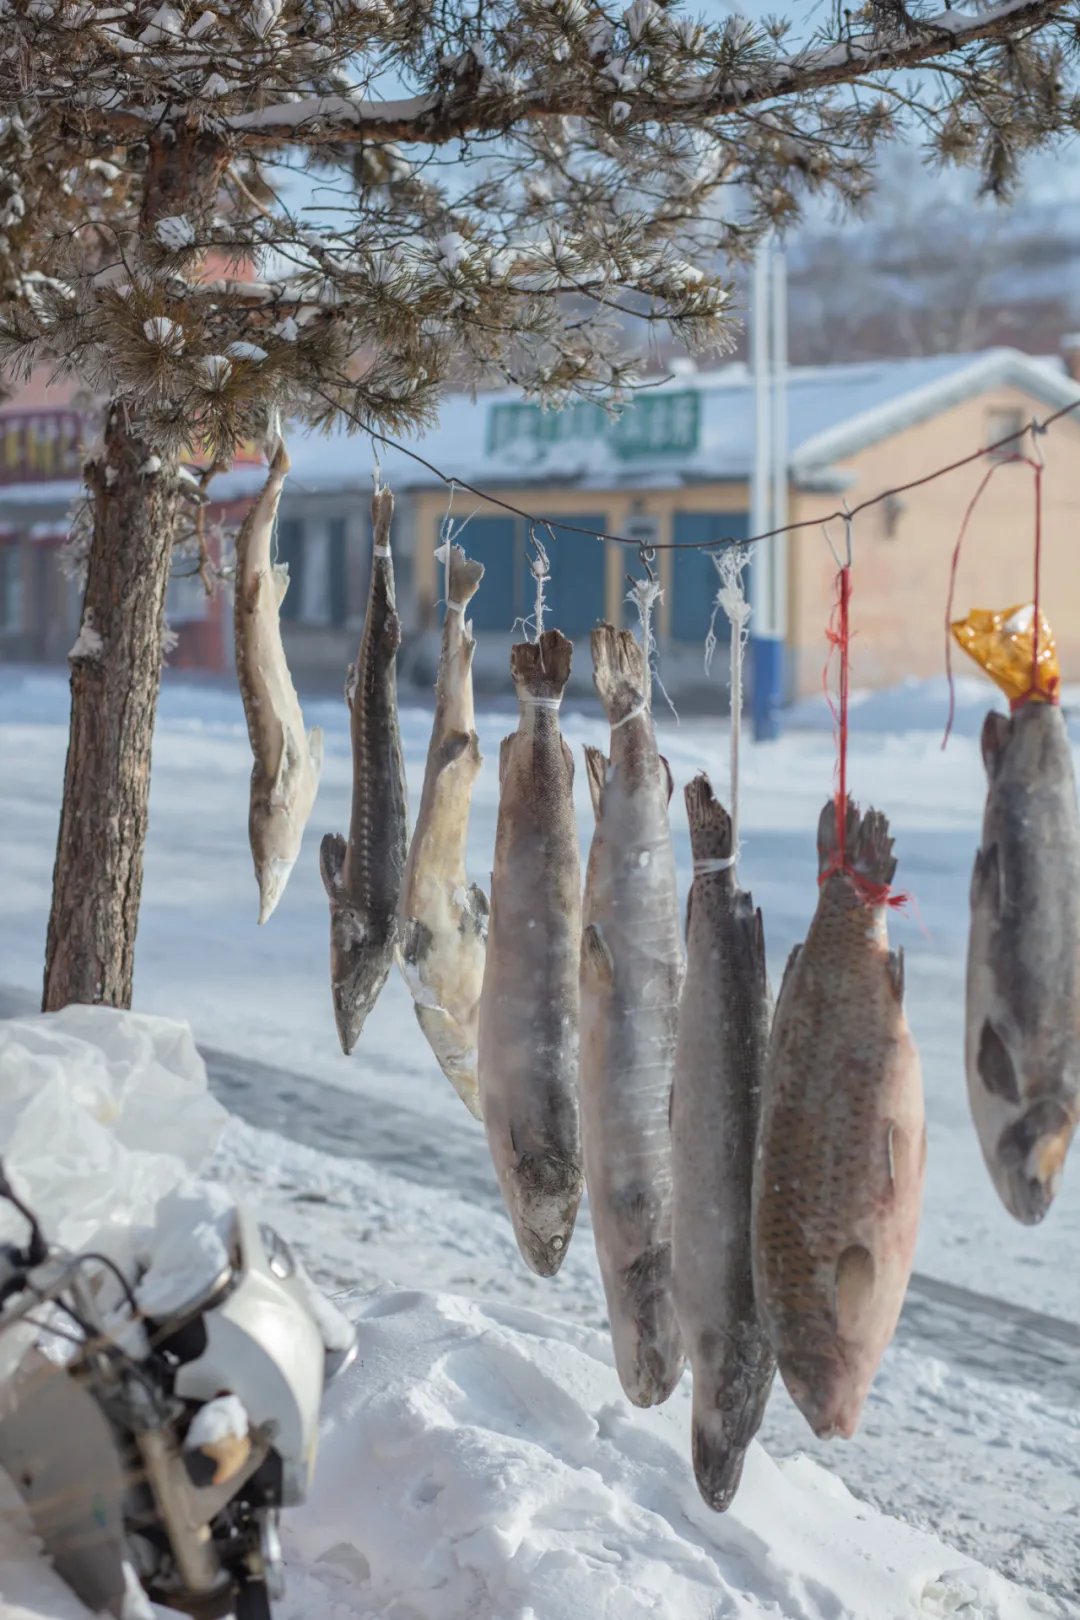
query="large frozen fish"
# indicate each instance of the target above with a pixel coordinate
(719, 1070)
(529, 1004)
(842, 1147)
(285, 775)
(631, 969)
(363, 877)
(443, 918)
(1022, 1046)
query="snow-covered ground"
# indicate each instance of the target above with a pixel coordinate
(943, 1445)
(479, 1461)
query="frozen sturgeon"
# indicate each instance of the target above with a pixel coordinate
(841, 1152)
(528, 1045)
(719, 1069)
(631, 969)
(443, 918)
(285, 774)
(1022, 1046)
(363, 877)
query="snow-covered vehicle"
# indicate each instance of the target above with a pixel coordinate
(155, 1445)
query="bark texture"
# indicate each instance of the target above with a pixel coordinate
(116, 662)
(97, 879)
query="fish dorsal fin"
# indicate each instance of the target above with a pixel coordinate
(596, 958)
(316, 750)
(281, 581)
(352, 681)
(332, 865)
(666, 778)
(996, 731)
(506, 748)
(987, 880)
(286, 764)
(596, 768)
(896, 973)
(855, 1273)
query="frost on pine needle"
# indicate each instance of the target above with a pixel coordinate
(175, 232)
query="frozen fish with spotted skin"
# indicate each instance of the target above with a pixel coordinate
(841, 1156)
(529, 1004)
(444, 918)
(363, 877)
(631, 972)
(1022, 1044)
(288, 762)
(724, 1024)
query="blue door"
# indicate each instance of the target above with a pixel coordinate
(493, 541)
(695, 579)
(576, 593)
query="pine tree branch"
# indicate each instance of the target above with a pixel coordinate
(437, 118)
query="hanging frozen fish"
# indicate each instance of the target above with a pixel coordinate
(1022, 1044)
(285, 775)
(842, 1147)
(719, 1069)
(443, 918)
(363, 877)
(528, 1048)
(631, 969)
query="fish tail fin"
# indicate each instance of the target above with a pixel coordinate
(619, 673)
(711, 831)
(542, 668)
(868, 844)
(465, 576)
(596, 766)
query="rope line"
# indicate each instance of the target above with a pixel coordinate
(843, 514)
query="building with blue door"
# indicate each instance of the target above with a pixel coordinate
(672, 472)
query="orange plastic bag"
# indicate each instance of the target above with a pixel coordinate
(1002, 643)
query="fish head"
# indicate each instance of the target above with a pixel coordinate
(359, 978)
(1029, 1159)
(546, 1192)
(273, 874)
(826, 1388)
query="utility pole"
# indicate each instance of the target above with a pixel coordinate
(768, 489)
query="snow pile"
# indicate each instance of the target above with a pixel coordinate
(89, 1098)
(480, 1461)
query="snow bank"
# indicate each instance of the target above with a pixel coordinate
(480, 1461)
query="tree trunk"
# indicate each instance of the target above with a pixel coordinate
(116, 662)
(115, 675)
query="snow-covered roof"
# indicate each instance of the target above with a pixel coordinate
(833, 412)
(697, 427)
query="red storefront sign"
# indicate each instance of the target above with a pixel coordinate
(38, 446)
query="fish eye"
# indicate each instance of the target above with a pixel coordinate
(557, 1242)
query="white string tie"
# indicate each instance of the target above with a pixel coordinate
(455, 607)
(717, 863)
(731, 596)
(635, 714)
(530, 702)
(381, 551)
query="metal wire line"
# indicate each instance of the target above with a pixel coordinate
(843, 515)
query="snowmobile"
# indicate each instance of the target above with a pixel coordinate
(155, 1455)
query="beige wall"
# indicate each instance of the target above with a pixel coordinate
(900, 583)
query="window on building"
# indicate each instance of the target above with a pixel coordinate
(290, 551)
(315, 575)
(11, 588)
(1003, 422)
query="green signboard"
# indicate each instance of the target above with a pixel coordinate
(651, 425)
